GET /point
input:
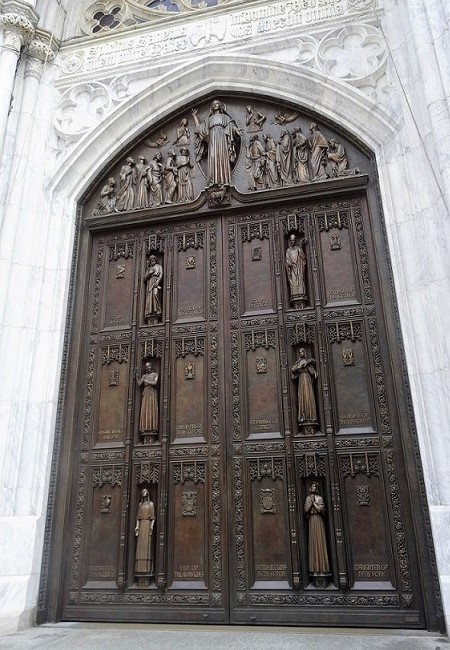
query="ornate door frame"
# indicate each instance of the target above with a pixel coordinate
(350, 185)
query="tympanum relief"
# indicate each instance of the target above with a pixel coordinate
(221, 145)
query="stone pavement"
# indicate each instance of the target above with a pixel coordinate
(96, 636)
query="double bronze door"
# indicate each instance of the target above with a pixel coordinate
(265, 404)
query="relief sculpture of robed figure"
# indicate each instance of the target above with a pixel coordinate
(295, 269)
(149, 417)
(318, 564)
(304, 370)
(153, 276)
(219, 136)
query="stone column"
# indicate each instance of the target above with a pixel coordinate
(19, 30)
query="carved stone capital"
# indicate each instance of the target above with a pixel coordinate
(43, 47)
(18, 30)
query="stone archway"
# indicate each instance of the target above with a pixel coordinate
(170, 100)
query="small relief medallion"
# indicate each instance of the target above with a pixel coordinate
(261, 365)
(335, 243)
(347, 357)
(114, 377)
(190, 262)
(268, 505)
(105, 507)
(120, 271)
(189, 504)
(363, 495)
(189, 370)
(256, 253)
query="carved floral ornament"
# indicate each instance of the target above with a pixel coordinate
(105, 15)
(207, 153)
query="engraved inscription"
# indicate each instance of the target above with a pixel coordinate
(190, 310)
(111, 434)
(354, 419)
(120, 271)
(371, 570)
(257, 304)
(189, 571)
(190, 429)
(271, 570)
(264, 424)
(102, 571)
(341, 294)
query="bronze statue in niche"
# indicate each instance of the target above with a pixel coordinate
(149, 415)
(126, 193)
(145, 521)
(318, 563)
(219, 138)
(305, 371)
(295, 269)
(152, 278)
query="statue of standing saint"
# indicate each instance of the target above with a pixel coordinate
(318, 564)
(145, 520)
(295, 269)
(149, 416)
(304, 369)
(219, 136)
(153, 276)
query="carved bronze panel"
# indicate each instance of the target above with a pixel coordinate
(238, 448)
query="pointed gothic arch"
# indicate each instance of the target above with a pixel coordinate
(125, 127)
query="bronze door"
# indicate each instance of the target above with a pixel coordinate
(256, 456)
